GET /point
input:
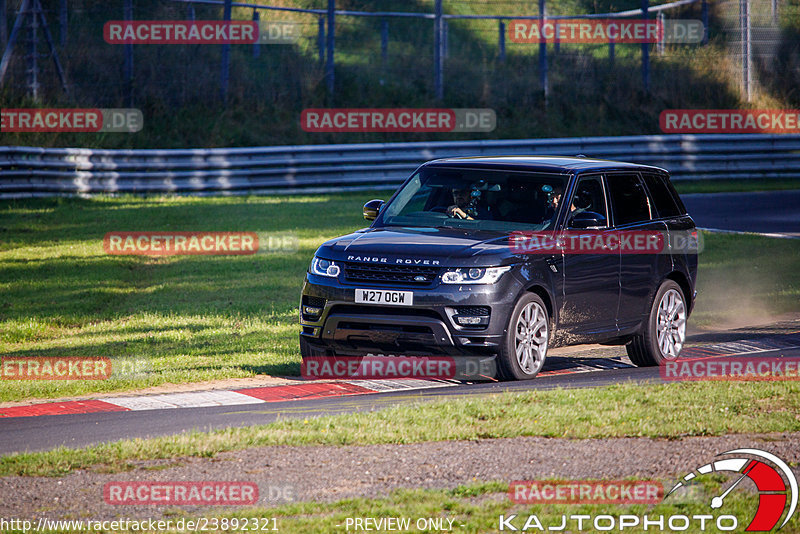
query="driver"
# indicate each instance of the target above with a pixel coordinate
(458, 209)
(469, 204)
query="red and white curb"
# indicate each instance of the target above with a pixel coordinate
(204, 399)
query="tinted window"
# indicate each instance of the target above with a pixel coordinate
(589, 196)
(629, 200)
(661, 195)
(481, 199)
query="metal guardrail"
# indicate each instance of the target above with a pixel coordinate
(30, 171)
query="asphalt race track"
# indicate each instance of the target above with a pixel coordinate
(581, 370)
(762, 212)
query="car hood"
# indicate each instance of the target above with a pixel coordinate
(452, 247)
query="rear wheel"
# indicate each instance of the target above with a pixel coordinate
(663, 335)
(524, 349)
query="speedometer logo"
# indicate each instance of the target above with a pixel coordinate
(776, 484)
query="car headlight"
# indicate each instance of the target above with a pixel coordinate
(324, 268)
(474, 275)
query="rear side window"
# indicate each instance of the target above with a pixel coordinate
(629, 199)
(662, 195)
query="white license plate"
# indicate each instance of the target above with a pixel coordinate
(380, 296)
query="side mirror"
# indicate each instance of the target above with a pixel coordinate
(587, 219)
(372, 208)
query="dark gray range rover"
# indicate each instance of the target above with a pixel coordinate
(437, 273)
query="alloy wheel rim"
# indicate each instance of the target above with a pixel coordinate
(671, 324)
(530, 339)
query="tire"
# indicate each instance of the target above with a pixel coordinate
(663, 335)
(530, 344)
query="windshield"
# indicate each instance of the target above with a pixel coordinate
(477, 198)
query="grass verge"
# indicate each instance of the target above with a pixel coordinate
(184, 319)
(478, 507)
(656, 411)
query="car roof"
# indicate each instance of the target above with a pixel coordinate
(557, 164)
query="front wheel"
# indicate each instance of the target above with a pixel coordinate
(524, 349)
(663, 335)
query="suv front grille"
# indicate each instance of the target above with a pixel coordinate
(414, 275)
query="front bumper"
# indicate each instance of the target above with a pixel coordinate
(428, 327)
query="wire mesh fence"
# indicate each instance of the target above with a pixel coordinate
(385, 56)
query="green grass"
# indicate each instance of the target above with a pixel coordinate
(194, 318)
(477, 508)
(656, 411)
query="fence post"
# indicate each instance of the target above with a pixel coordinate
(226, 57)
(744, 23)
(3, 24)
(704, 17)
(645, 53)
(445, 39)
(556, 41)
(501, 40)
(321, 38)
(660, 45)
(329, 74)
(257, 20)
(190, 12)
(543, 52)
(611, 52)
(437, 50)
(384, 40)
(63, 22)
(128, 65)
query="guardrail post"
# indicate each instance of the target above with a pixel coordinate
(226, 57)
(645, 53)
(128, 64)
(543, 52)
(256, 46)
(437, 50)
(501, 40)
(329, 63)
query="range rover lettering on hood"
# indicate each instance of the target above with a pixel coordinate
(400, 261)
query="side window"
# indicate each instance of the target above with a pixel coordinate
(629, 200)
(661, 195)
(589, 196)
